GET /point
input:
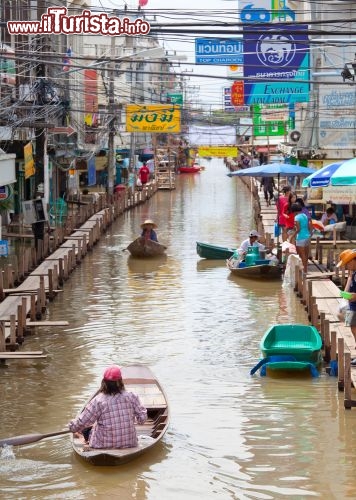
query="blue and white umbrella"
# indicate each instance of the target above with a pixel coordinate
(335, 174)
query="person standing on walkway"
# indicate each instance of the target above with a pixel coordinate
(302, 234)
(281, 202)
(111, 414)
(348, 260)
(144, 174)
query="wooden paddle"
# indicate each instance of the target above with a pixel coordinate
(29, 438)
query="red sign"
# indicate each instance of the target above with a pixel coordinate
(237, 93)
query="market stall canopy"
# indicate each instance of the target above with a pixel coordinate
(273, 170)
(335, 174)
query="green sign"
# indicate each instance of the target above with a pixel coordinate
(175, 98)
(271, 120)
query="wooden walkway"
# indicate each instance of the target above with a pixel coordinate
(319, 292)
(26, 289)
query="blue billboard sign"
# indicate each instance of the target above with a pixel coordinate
(221, 51)
(276, 68)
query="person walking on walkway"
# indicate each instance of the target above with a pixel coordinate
(268, 185)
(111, 414)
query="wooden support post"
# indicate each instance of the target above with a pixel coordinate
(2, 337)
(43, 293)
(24, 315)
(79, 254)
(33, 307)
(322, 326)
(327, 341)
(341, 363)
(38, 304)
(60, 271)
(65, 267)
(55, 277)
(2, 294)
(19, 325)
(333, 335)
(13, 342)
(50, 284)
(347, 381)
(309, 295)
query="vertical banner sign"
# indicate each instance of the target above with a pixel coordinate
(92, 172)
(29, 162)
(237, 93)
(276, 62)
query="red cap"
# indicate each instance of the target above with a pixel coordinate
(112, 372)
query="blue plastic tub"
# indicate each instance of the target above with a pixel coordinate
(242, 264)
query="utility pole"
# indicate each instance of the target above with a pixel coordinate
(111, 144)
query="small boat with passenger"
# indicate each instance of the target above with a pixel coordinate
(140, 380)
(144, 248)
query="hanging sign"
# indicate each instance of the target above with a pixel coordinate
(153, 118)
(29, 162)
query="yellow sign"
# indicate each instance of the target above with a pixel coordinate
(29, 162)
(153, 118)
(218, 151)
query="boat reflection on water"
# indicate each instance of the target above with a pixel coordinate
(137, 265)
(206, 264)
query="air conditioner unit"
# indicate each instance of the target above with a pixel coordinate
(294, 136)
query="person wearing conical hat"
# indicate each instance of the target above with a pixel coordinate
(348, 260)
(148, 230)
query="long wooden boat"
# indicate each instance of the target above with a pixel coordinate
(290, 347)
(140, 380)
(207, 251)
(142, 247)
(189, 170)
(258, 271)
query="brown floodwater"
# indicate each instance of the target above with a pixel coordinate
(231, 436)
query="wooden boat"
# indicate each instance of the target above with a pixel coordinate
(189, 170)
(142, 247)
(206, 251)
(258, 271)
(289, 347)
(140, 380)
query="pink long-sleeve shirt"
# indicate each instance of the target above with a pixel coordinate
(113, 419)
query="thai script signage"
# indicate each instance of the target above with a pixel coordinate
(153, 118)
(28, 160)
(337, 121)
(222, 51)
(276, 61)
(276, 65)
(218, 152)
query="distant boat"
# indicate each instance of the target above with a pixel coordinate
(140, 380)
(189, 170)
(290, 347)
(207, 251)
(142, 247)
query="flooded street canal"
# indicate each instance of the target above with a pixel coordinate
(231, 436)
